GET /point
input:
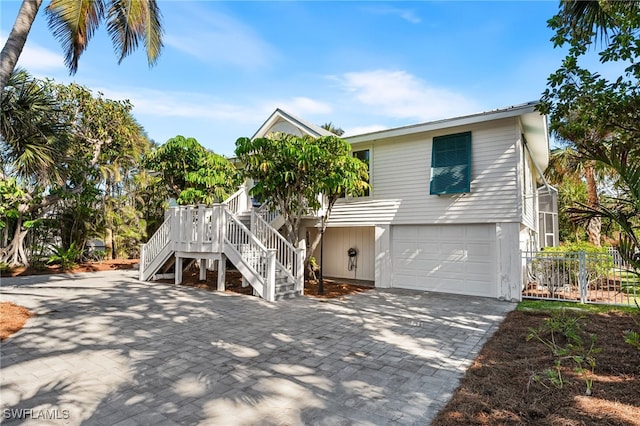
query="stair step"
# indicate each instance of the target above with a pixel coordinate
(287, 295)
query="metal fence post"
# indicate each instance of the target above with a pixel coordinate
(582, 268)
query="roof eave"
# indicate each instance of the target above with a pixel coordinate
(513, 111)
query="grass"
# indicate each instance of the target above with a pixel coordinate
(552, 305)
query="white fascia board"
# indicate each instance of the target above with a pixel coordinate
(443, 124)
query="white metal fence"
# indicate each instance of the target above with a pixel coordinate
(579, 277)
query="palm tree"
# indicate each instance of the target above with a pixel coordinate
(31, 130)
(335, 130)
(595, 19)
(567, 166)
(73, 23)
(30, 148)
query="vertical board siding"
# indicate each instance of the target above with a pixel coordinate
(336, 243)
(401, 172)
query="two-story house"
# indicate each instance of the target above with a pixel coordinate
(452, 204)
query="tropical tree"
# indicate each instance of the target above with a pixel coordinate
(66, 180)
(291, 172)
(31, 129)
(568, 171)
(191, 174)
(31, 145)
(601, 116)
(333, 129)
(73, 23)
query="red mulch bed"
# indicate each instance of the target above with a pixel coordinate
(12, 318)
(105, 265)
(332, 288)
(499, 388)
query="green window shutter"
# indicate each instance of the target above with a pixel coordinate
(451, 164)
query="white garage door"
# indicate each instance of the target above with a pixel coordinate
(457, 259)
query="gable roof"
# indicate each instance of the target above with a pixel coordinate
(534, 128)
(278, 117)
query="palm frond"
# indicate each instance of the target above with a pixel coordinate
(73, 23)
(30, 129)
(129, 21)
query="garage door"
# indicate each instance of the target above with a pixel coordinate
(457, 259)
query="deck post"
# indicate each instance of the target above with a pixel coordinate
(203, 269)
(301, 254)
(143, 248)
(222, 272)
(200, 228)
(178, 274)
(270, 281)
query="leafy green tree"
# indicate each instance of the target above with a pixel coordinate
(191, 174)
(601, 116)
(32, 143)
(73, 23)
(78, 163)
(292, 171)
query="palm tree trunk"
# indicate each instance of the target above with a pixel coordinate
(594, 226)
(18, 37)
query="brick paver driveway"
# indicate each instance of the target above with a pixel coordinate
(107, 349)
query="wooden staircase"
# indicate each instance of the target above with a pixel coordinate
(233, 230)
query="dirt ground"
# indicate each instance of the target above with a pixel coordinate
(105, 265)
(332, 288)
(508, 384)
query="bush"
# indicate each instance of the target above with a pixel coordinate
(560, 266)
(65, 257)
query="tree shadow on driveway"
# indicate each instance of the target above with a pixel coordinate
(110, 349)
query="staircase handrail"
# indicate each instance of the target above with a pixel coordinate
(288, 257)
(158, 241)
(256, 256)
(238, 201)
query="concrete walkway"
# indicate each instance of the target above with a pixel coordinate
(106, 349)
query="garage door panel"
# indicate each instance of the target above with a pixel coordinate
(458, 259)
(427, 233)
(479, 250)
(405, 234)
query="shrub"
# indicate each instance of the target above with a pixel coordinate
(65, 257)
(560, 266)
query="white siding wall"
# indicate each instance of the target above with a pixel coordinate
(285, 127)
(336, 243)
(400, 181)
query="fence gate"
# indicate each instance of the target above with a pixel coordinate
(579, 277)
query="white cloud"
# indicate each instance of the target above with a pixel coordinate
(399, 94)
(301, 106)
(37, 59)
(406, 14)
(179, 104)
(216, 38)
(200, 106)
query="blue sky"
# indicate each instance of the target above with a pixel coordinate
(361, 65)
